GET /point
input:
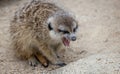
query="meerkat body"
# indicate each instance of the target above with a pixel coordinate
(33, 34)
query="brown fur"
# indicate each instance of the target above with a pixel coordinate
(30, 34)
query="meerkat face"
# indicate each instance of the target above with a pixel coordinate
(63, 28)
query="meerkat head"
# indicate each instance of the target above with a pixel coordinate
(62, 27)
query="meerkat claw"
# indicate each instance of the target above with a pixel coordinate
(61, 64)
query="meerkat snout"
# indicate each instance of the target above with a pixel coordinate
(73, 38)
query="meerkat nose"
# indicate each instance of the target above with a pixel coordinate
(73, 38)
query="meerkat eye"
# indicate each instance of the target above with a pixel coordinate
(49, 26)
(74, 30)
(63, 31)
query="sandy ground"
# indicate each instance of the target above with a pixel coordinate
(98, 39)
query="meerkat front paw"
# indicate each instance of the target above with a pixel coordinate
(61, 64)
(33, 61)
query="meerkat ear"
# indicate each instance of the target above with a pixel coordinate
(49, 23)
(49, 26)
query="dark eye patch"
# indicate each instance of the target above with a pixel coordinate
(63, 31)
(74, 30)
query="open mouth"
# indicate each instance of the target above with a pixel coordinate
(66, 42)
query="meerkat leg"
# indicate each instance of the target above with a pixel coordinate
(25, 54)
(42, 59)
(33, 61)
(55, 49)
(48, 53)
(58, 49)
(51, 56)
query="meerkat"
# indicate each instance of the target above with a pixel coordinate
(41, 28)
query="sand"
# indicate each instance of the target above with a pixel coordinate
(96, 51)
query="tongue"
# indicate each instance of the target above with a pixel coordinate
(66, 42)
